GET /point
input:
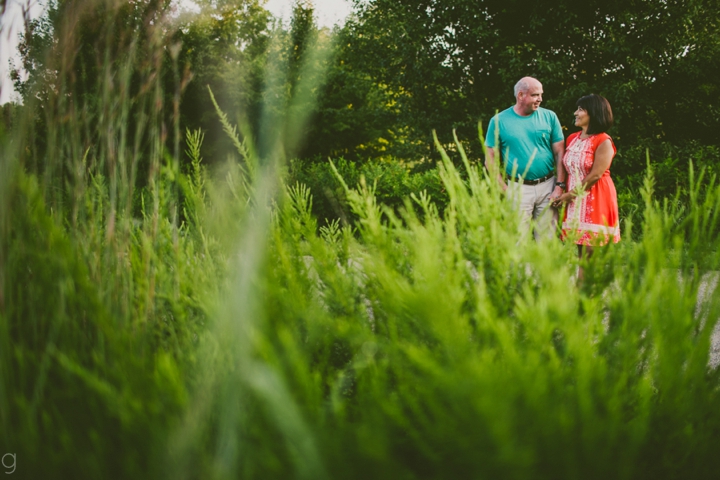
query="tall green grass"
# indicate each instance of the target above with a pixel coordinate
(181, 323)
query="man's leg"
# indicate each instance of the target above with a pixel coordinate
(545, 216)
(523, 201)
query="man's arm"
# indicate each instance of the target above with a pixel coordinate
(560, 173)
(492, 140)
(494, 167)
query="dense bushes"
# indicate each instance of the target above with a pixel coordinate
(391, 179)
(670, 169)
(394, 180)
(250, 343)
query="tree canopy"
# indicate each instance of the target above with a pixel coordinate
(450, 63)
(403, 68)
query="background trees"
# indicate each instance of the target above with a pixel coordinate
(403, 68)
(452, 62)
(223, 47)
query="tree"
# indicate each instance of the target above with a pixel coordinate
(224, 47)
(82, 52)
(452, 62)
(357, 116)
(93, 67)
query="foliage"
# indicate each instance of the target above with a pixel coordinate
(223, 47)
(250, 343)
(99, 80)
(400, 69)
(357, 115)
(451, 62)
(203, 324)
(390, 179)
(671, 165)
(9, 116)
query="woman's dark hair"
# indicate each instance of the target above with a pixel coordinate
(599, 111)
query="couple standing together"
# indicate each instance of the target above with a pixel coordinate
(546, 172)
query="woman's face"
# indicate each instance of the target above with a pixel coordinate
(582, 119)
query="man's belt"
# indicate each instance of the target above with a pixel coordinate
(536, 181)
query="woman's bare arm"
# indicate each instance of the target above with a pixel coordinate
(603, 158)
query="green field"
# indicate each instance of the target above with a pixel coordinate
(163, 318)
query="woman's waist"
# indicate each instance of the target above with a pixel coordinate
(605, 180)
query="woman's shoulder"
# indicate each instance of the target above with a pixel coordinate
(601, 138)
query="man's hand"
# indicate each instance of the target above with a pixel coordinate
(557, 192)
(493, 168)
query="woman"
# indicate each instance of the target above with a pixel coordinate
(591, 216)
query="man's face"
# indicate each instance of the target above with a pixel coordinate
(531, 99)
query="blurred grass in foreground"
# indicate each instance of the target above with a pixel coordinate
(193, 324)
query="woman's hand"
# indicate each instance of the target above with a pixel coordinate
(564, 198)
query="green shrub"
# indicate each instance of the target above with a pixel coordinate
(669, 164)
(392, 180)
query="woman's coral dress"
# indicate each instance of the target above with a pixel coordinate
(591, 218)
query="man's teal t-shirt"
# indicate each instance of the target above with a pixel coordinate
(525, 143)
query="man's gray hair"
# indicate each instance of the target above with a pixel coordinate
(523, 85)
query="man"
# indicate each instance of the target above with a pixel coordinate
(531, 143)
